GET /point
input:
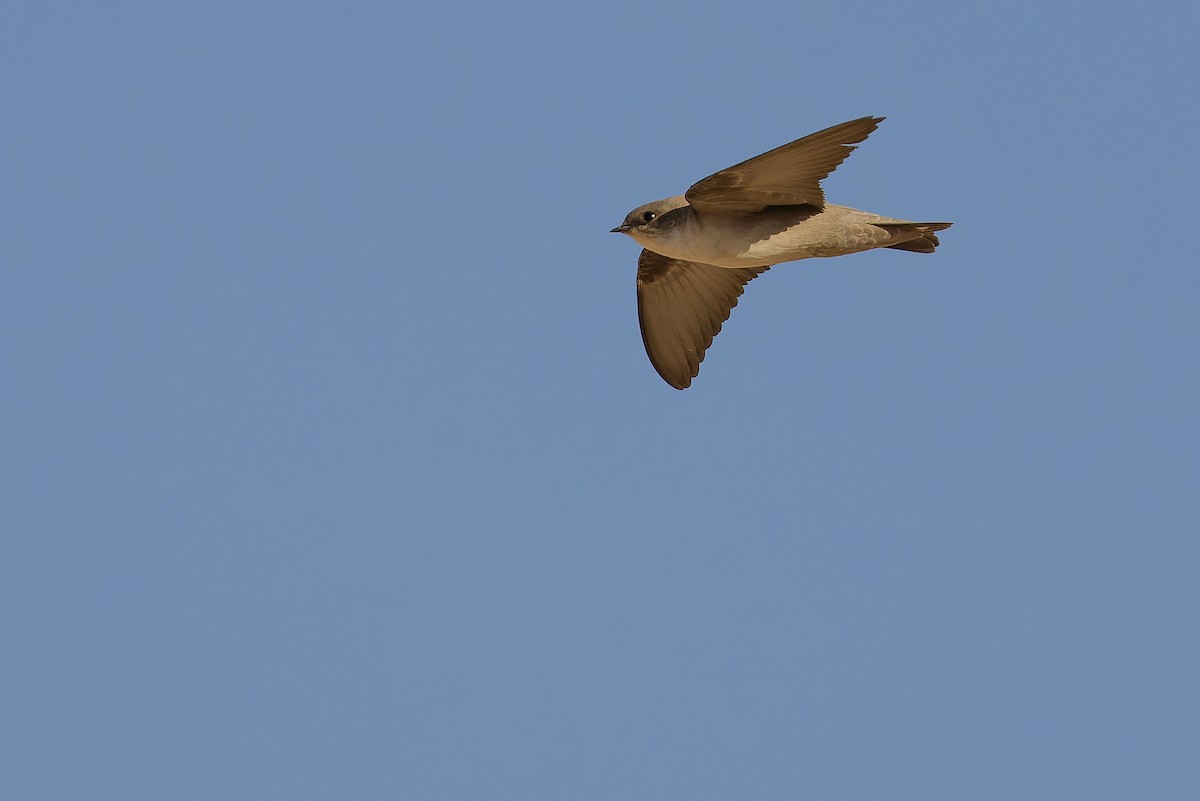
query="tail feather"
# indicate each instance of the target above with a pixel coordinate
(918, 237)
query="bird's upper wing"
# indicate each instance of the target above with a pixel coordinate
(790, 175)
(681, 305)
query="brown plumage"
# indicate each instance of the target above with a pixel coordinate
(703, 247)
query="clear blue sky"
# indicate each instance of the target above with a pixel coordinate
(332, 465)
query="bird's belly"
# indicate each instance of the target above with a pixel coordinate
(788, 245)
(834, 231)
(756, 248)
(719, 254)
(744, 244)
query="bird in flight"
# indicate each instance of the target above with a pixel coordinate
(702, 248)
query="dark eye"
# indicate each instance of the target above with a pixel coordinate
(647, 216)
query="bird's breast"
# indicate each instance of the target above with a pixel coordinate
(743, 240)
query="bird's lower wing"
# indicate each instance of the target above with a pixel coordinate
(681, 306)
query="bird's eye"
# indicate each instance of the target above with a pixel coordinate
(647, 216)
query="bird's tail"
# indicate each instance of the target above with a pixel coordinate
(916, 237)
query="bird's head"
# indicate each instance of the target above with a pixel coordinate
(645, 219)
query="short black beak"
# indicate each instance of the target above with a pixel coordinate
(620, 229)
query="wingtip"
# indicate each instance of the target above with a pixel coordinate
(673, 382)
(858, 130)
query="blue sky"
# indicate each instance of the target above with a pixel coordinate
(333, 465)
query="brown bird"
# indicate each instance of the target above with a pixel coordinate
(703, 247)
